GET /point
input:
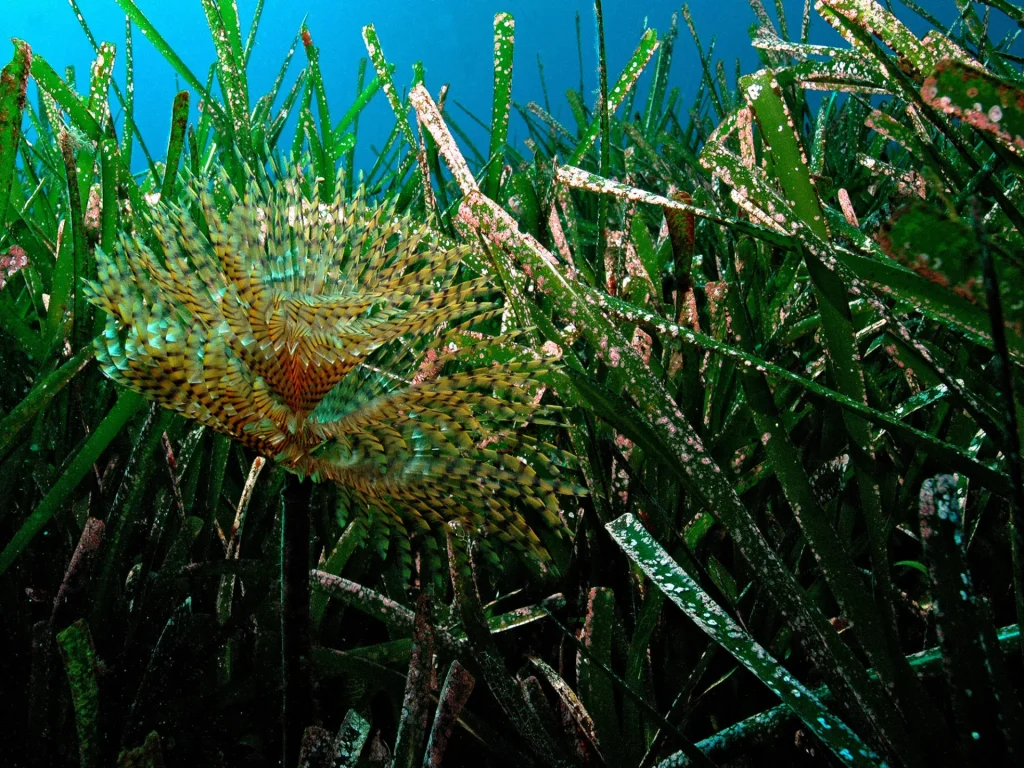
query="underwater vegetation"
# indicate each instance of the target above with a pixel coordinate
(683, 434)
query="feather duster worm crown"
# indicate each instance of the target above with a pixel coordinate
(310, 331)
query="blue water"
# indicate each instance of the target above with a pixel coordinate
(453, 38)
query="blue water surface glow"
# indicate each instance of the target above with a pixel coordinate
(453, 39)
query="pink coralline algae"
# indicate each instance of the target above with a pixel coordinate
(11, 263)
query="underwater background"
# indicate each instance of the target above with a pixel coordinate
(450, 37)
(670, 418)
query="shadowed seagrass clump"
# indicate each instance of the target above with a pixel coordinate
(321, 335)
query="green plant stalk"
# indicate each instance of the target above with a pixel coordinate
(605, 133)
(790, 164)
(229, 18)
(350, 156)
(707, 80)
(844, 15)
(13, 82)
(296, 692)
(220, 449)
(579, 54)
(250, 40)
(681, 589)
(109, 170)
(323, 167)
(380, 65)
(654, 323)
(16, 327)
(685, 451)
(352, 736)
(400, 620)
(138, 18)
(264, 105)
(736, 740)
(304, 108)
(175, 144)
(444, 205)
(833, 559)
(484, 649)
(698, 471)
(953, 456)
(222, 19)
(873, 268)
(636, 732)
(80, 662)
(98, 104)
(226, 592)
(363, 97)
(353, 536)
(595, 688)
(985, 708)
(912, 290)
(765, 97)
(504, 44)
(477, 157)
(656, 96)
(51, 83)
(129, 99)
(60, 311)
(613, 99)
(329, 148)
(125, 514)
(207, 124)
(127, 405)
(299, 88)
(458, 685)
(573, 709)
(1014, 12)
(42, 394)
(394, 615)
(758, 197)
(412, 728)
(1003, 371)
(68, 297)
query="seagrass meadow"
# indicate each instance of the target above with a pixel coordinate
(682, 433)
